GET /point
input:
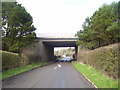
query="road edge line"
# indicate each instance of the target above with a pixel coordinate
(87, 79)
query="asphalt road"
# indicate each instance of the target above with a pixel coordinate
(58, 75)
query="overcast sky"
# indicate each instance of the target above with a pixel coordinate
(61, 16)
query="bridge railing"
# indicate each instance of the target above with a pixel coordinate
(57, 35)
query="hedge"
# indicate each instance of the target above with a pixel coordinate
(12, 60)
(104, 59)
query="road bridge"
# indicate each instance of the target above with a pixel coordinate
(60, 42)
(44, 48)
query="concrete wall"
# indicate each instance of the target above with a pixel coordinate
(47, 53)
(42, 51)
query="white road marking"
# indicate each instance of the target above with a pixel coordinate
(57, 66)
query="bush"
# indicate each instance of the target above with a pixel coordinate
(12, 60)
(104, 59)
(9, 60)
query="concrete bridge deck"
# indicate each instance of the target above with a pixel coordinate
(60, 42)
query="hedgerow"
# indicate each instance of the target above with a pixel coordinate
(12, 60)
(104, 59)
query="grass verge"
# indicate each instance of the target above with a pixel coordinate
(12, 72)
(99, 79)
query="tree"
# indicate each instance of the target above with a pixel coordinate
(17, 26)
(102, 28)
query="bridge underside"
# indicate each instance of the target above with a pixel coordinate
(60, 43)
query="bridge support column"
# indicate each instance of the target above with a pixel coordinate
(76, 52)
(48, 53)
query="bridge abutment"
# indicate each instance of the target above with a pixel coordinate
(39, 52)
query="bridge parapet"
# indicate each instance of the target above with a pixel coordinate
(56, 35)
(58, 39)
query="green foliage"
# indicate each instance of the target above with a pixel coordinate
(99, 79)
(102, 28)
(12, 60)
(15, 71)
(9, 60)
(67, 52)
(17, 26)
(104, 59)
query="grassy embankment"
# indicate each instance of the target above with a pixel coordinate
(12, 72)
(99, 79)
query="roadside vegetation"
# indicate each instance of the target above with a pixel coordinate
(18, 32)
(64, 52)
(12, 60)
(98, 78)
(13, 64)
(104, 59)
(99, 41)
(17, 28)
(102, 28)
(15, 71)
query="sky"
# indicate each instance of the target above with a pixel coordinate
(61, 16)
